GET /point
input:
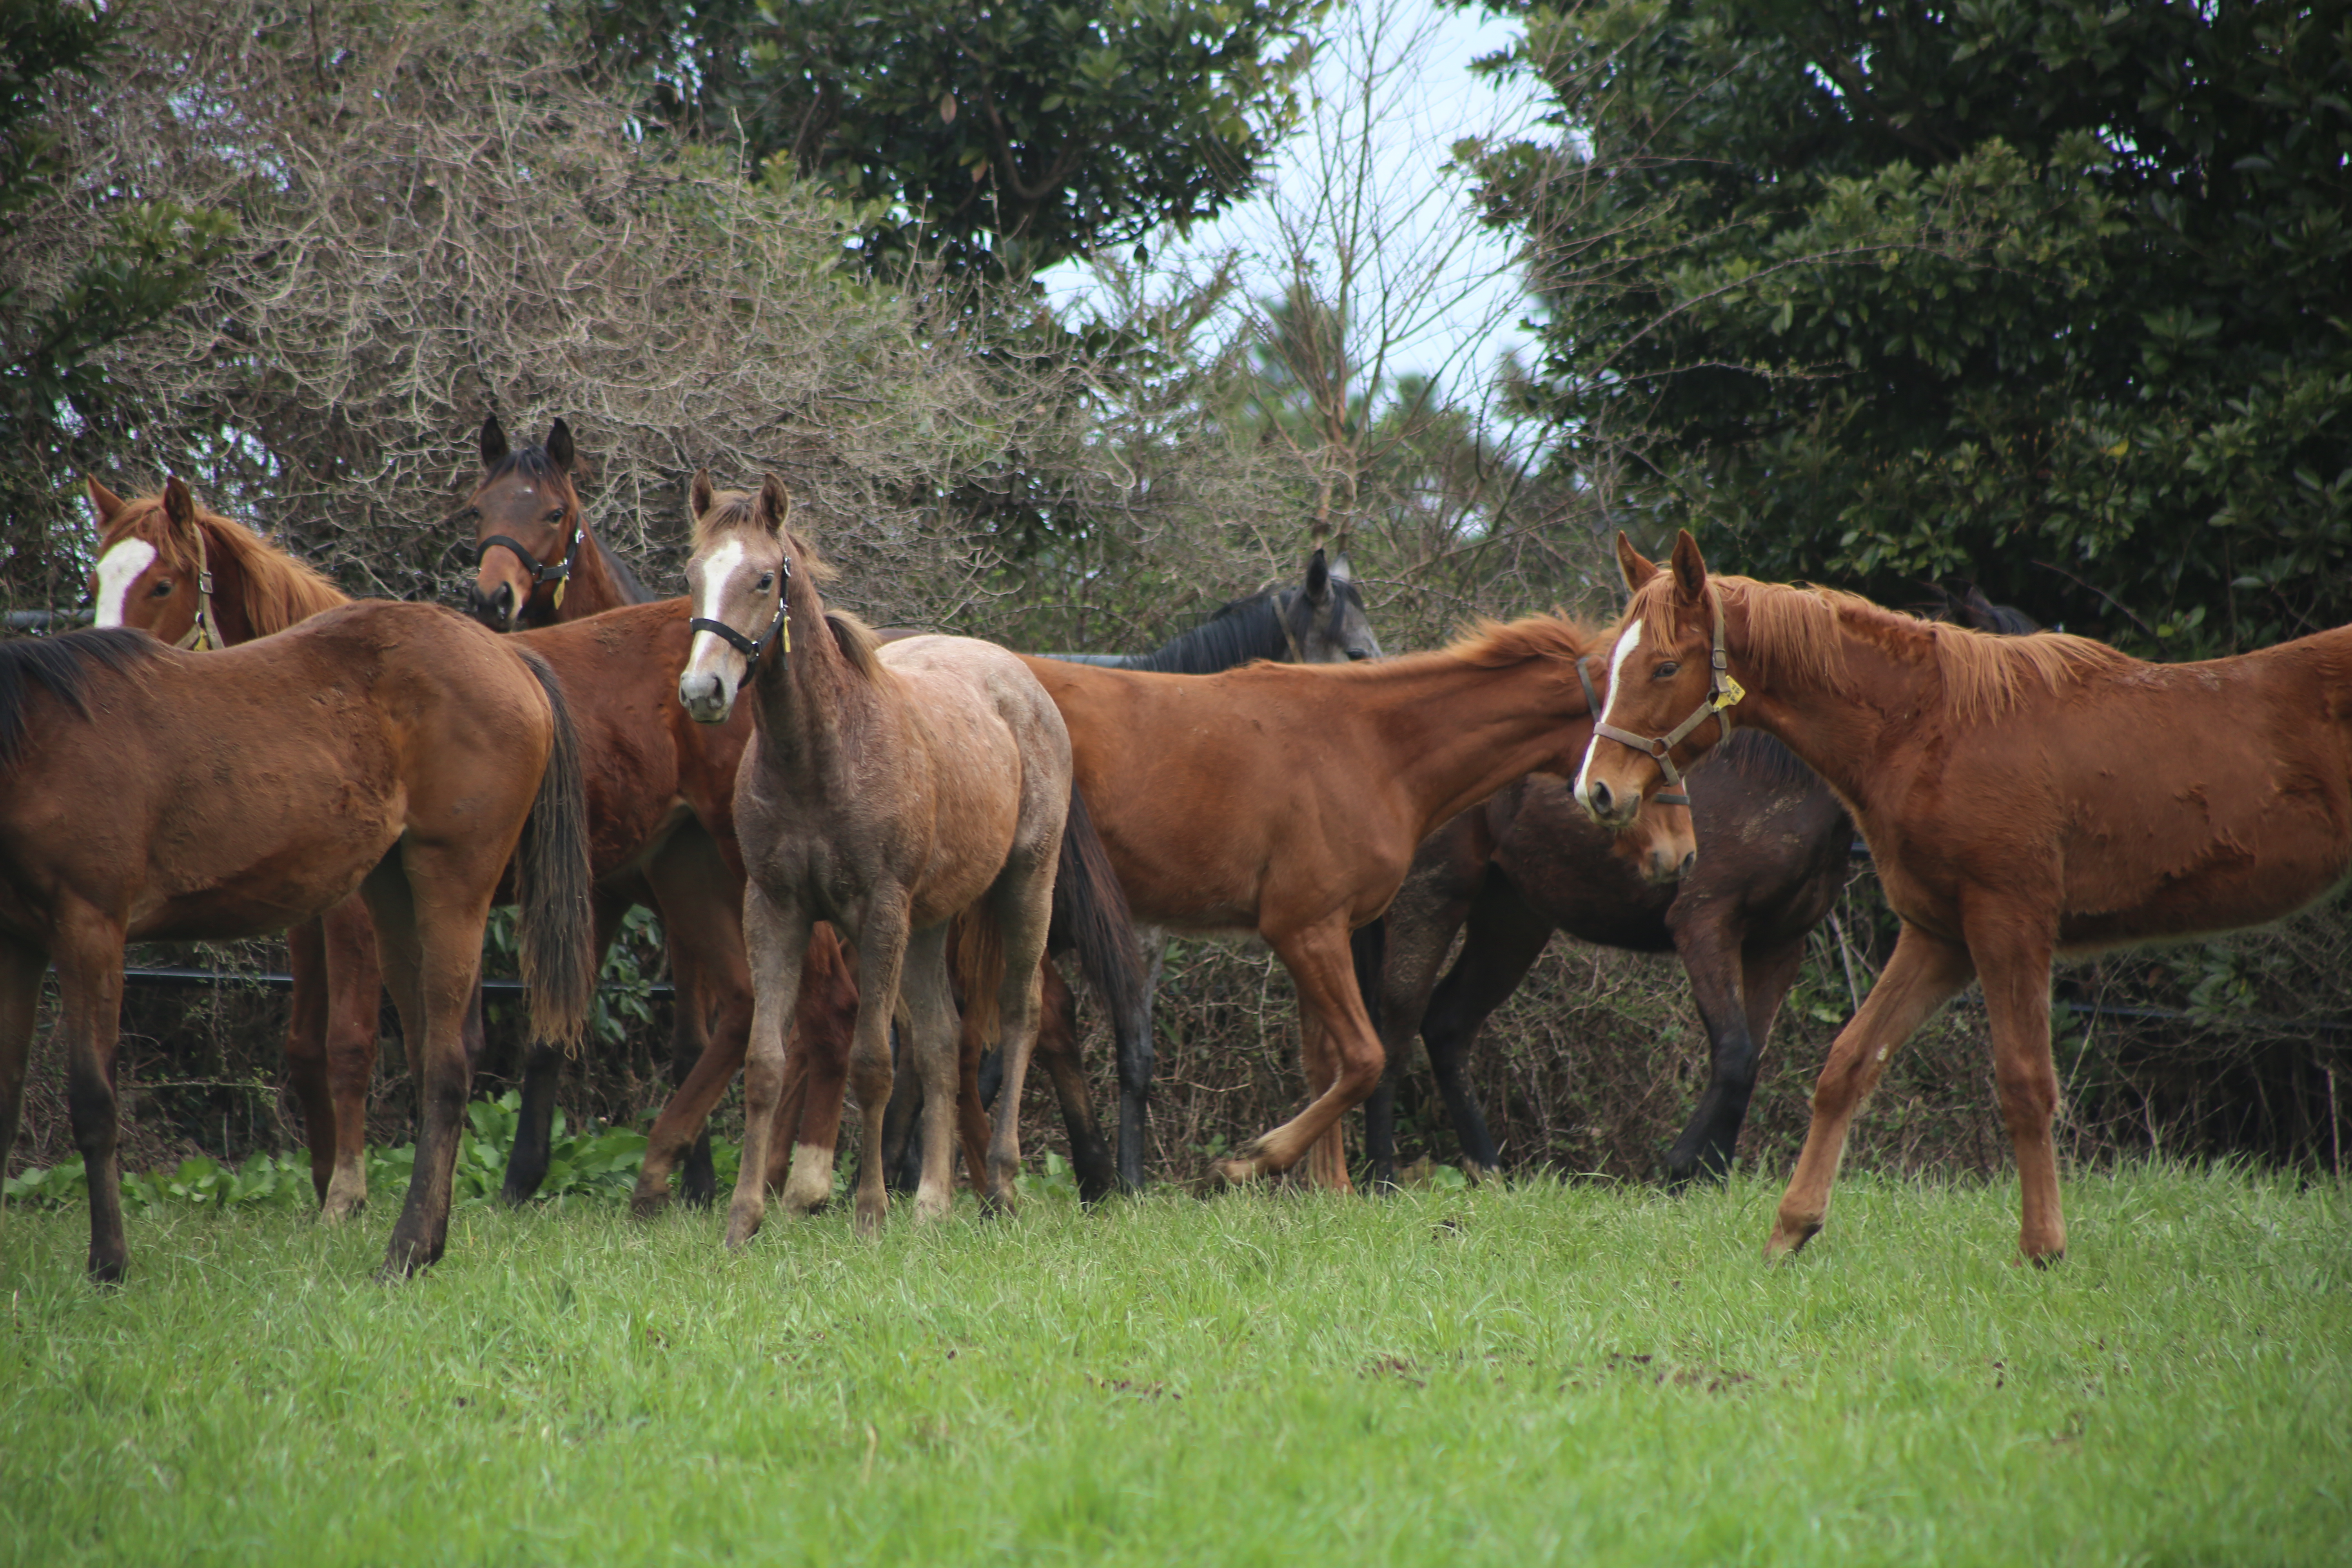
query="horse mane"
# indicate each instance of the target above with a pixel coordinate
(61, 665)
(279, 590)
(858, 643)
(1495, 645)
(1801, 634)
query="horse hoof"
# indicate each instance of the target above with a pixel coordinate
(1235, 1172)
(2043, 1261)
(741, 1227)
(1787, 1240)
(869, 1217)
(648, 1205)
(106, 1272)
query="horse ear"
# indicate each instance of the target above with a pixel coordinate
(102, 501)
(700, 495)
(494, 440)
(559, 447)
(180, 505)
(1690, 568)
(775, 504)
(1636, 570)
(1319, 577)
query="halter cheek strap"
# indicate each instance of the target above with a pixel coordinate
(1676, 797)
(540, 572)
(204, 634)
(778, 629)
(1722, 693)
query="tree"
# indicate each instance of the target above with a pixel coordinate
(2057, 295)
(1003, 138)
(83, 265)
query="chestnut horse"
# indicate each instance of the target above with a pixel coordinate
(1216, 820)
(1773, 858)
(659, 792)
(2022, 797)
(393, 750)
(888, 791)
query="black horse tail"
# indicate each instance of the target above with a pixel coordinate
(555, 929)
(1091, 916)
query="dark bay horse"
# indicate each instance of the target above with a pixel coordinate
(536, 561)
(659, 792)
(888, 791)
(1773, 858)
(2022, 796)
(393, 750)
(1217, 819)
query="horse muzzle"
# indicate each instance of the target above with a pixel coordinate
(707, 696)
(495, 609)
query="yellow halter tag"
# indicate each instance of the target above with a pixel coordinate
(784, 630)
(561, 584)
(1732, 692)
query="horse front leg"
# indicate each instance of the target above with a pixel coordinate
(1708, 946)
(2013, 960)
(306, 1050)
(1324, 971)
(824, 1025)
(700, 899)
(1504, 936)
(776, 940)
(88, 953)
(1921, 976)
(21, 968)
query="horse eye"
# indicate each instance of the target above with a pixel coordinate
(162, 588)
(555, 516)
(1357, 655)
(1668, 671)
(767, 581)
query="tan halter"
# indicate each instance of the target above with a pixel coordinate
(1722, 693)
(205, 634)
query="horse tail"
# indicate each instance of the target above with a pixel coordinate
(1091, 916)
(979, 972)
(554, 931)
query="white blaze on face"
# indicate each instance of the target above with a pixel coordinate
(117, 570)
(713, 578)
(1627, 641)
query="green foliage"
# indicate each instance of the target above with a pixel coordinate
(986, 137)
(597, 1162)
(1585, 1374)
(2053, 296)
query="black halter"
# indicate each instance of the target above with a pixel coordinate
(753, 648)
(1722, 692)
(540, 572)
(1678, 795)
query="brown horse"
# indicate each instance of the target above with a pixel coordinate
(391, 748)
(1217, 819)
(659, 792)
(886, 790)
(2022, 796)
(535, 561)
(1773, 858)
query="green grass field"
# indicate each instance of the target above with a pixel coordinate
(1577, 1374)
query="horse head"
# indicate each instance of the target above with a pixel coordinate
(152, 570)
(739, 579)
(1323, 619)
(528, 527)
(1670, 686)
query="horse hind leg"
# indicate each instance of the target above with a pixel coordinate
(543, 1075)
(932, 1038)
(1711, 958)
(355, 986)
(776, 941)
(1323, 969)
(1922, 975)
(1057, 1052)
(1766, 978)
(1503, 938)
(306, 1050)
(1022, 902)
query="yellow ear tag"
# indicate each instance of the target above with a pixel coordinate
(561, 584)
(1732, 692)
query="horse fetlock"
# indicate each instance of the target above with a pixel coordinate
(932, 1204)
(873, 1209)
(1790, 1234)
(743, 1217)
(809, 1187)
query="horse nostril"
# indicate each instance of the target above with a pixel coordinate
(1598, 795)
(1689, 860)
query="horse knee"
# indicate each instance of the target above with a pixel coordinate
(2029, 1094)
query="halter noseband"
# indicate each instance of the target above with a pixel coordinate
(1722, 693)
(540, 572)
(753, 648)
(1680, 796)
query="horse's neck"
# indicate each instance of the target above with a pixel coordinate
(1839, 730)
(230, 617)
(814, 712)
(598, 583)
(1457, 734)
